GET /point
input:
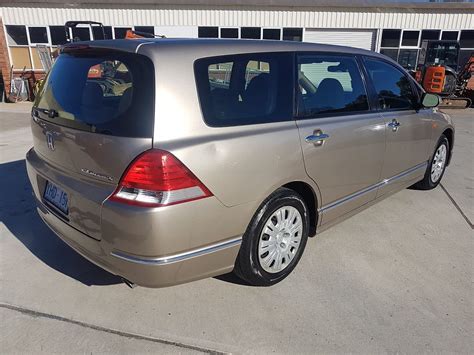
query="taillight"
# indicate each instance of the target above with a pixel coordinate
(157, 178)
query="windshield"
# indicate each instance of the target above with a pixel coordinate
(443, 54)
(110, 94)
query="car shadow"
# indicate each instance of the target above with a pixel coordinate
(18, 213)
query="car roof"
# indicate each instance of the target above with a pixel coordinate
(214, 46)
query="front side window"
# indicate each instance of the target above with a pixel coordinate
(245, 89)
(329, 84)
(393, 88)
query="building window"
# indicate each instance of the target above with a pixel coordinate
(81, 34)
(120, 32)
(410, 38)
(272, 33)
(99, 32)
(390, 52)
(430, 35)
(250, 32)
(146, 29)
(407, 58)
(208, 32)
(38, 35)
(229, 33)
(17, 35)
(58, 35)
(391, 38)
(449, 35)
(467, 39)
(293, 34)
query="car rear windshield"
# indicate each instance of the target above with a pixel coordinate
(104, 92)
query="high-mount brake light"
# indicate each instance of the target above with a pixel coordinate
(157, 178)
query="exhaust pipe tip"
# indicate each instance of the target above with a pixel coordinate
(128, 283)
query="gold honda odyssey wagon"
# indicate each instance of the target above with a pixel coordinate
(170, 160)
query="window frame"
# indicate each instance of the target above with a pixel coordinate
(357, 59)
(415, 90)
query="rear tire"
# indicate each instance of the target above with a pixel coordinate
(436, 166)
(275, 239)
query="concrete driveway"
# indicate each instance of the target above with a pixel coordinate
(396, 278)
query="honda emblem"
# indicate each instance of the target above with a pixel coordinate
(50, 140)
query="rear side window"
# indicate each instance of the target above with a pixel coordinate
(245, 89)
(329, 84)
(393, 88)
(109, 94)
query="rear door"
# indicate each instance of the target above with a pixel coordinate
(93, 115)
(343, 141)
(408, 128)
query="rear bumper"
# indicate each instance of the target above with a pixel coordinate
(154, 247)
(161, 271)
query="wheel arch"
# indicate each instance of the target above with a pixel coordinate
(449, 133)
(309, 196)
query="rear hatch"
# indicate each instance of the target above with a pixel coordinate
(92, 117)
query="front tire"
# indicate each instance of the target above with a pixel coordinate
(275, 239)
(436, 167)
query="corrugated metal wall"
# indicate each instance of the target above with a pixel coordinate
(343, 18)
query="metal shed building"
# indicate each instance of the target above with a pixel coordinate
(390, 27)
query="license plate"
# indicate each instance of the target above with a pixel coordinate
(56, 196)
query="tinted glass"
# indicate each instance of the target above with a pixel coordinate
(393, 88)
(410, 38)
(38, 35)
(430, 34)
(250, 32)
(407, 58)
(58, 35)
(208, 32)
(293, 34)
(108, 32)
(443, 53)
(464, 56)
(17, 35)
(120, 32)
(245, 89)
(449, 36)
(329, 84)
(81, 34)
(229, 33)
(99, 33)
(391, 53)
(391, 38)
(467, 39)
(271, 33)
(110, 94)
(146, 29)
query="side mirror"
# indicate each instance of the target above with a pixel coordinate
(430, 100)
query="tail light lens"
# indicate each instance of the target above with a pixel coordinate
(157, 178)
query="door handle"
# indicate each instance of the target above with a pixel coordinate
(317, 138)
(394, 125)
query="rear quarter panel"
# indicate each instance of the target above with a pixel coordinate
(238, 164)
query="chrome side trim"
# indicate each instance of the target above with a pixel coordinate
(372, 187)
(177, 257)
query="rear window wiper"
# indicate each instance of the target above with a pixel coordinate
(52, 113)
